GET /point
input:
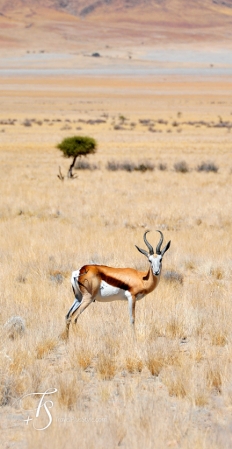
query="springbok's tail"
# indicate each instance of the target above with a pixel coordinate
(75, 286)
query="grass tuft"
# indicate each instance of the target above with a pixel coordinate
(177, 381)
(214, 378)
(219, 338)
(69, 390)
(83, 357)
(15, 327)
(217, 272)
(155, 362)
(133, 364)
(105, 366)
(175, 328)
(45, 347)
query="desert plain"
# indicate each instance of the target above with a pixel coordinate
(163, 162)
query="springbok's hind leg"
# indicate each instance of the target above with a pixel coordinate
(76, 304)
(86, 301)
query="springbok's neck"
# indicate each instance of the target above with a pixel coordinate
(150, 279)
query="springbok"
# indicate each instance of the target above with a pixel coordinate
(104, 284)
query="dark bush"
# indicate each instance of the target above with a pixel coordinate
(130, 166)
(95, 122)
(82, 164)
(162, 122)
(57, 277)
(208, 167)
(27, 122)
(146, 122)
(162, 166)
(181, 167)
(127, 166)
(115, 166)
(118, 127)
(145, 166)
(66, 128)
(173, 276)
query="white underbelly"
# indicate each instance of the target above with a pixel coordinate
(109, 293)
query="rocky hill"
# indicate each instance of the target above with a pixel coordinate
(57, 22)
(82, 8)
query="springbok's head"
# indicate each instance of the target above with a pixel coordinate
(155, 261)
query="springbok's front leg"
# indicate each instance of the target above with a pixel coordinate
(131, 304)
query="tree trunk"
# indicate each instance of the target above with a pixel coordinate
(70, 173)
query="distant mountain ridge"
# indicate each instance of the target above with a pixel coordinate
(27, 23)
(83, 8)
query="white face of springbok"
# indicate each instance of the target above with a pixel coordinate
(155, 261)
(156, 264)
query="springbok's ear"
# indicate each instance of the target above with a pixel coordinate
(145, 253)
(166, 248)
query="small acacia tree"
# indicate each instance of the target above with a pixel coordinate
(75, 147)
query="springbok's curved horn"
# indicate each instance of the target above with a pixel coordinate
(165, 248)
(151, 250)
(145, 253)
(158, 248)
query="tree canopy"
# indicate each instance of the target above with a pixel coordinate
(77, 146)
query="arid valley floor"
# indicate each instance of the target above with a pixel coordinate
(173, 387)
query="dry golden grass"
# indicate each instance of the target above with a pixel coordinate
(105, 366)
(45, 347)
(133, 364)
(172, 385)
(69, 390)
(155, 363)
(82, 357)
